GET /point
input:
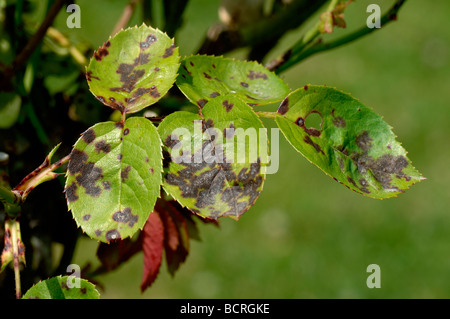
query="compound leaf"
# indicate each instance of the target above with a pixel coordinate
(352, 143)
(62, 288)
(114, 178)
(205, 77)
(215, 161)
(133, 69)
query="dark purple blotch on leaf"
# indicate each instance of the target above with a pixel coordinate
(148, 41)
(125, 216)
(102, 146)
(124, 173)
(112, 234)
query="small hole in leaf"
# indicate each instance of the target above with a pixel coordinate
(314, 120)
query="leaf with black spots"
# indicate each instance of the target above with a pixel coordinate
(350, 142)
(133, 69)
(62, 287)
(152, 246)
(215, 161)
(114, 178)
(203, 78)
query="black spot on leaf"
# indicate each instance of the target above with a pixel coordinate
(201, 103)
(112, 234)
(364, 141)
(137, 94)
(207, 124)
(129, 76)
(383, 168)
(300, 122)
(89, 76)
(106, 185)
(125, 216)
(252, 75)
(169, 51)
(309, 141)
(71, 192)
(363, 182)
(171, 141)
(101, 52)
(339, 121)
(148, 41)
(102, 146)
(100, 98)
(124, 173)
(88, 176)
(284, 106)
(154, 92)
(228, 106)
(209, 182)
(76, 162)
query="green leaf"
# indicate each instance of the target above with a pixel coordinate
(210, 166)
(205, 77)
(10, 104)
(62, 288)
(133, 69)
(114, 178)
(352, 144)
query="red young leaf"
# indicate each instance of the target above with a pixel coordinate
(176, 241)
(115, 253)
(152, 245)
(172, 240)
(190, 224)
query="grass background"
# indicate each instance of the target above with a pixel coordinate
(307, 236)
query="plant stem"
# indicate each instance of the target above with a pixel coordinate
(15, 240)
(221, 39)
(32, 44)
(9, 196)
(126, 16)
(309, 36)
(320, 46)
(63, 41)
(36, 123)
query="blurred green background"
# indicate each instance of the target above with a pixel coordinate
(307, 236)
